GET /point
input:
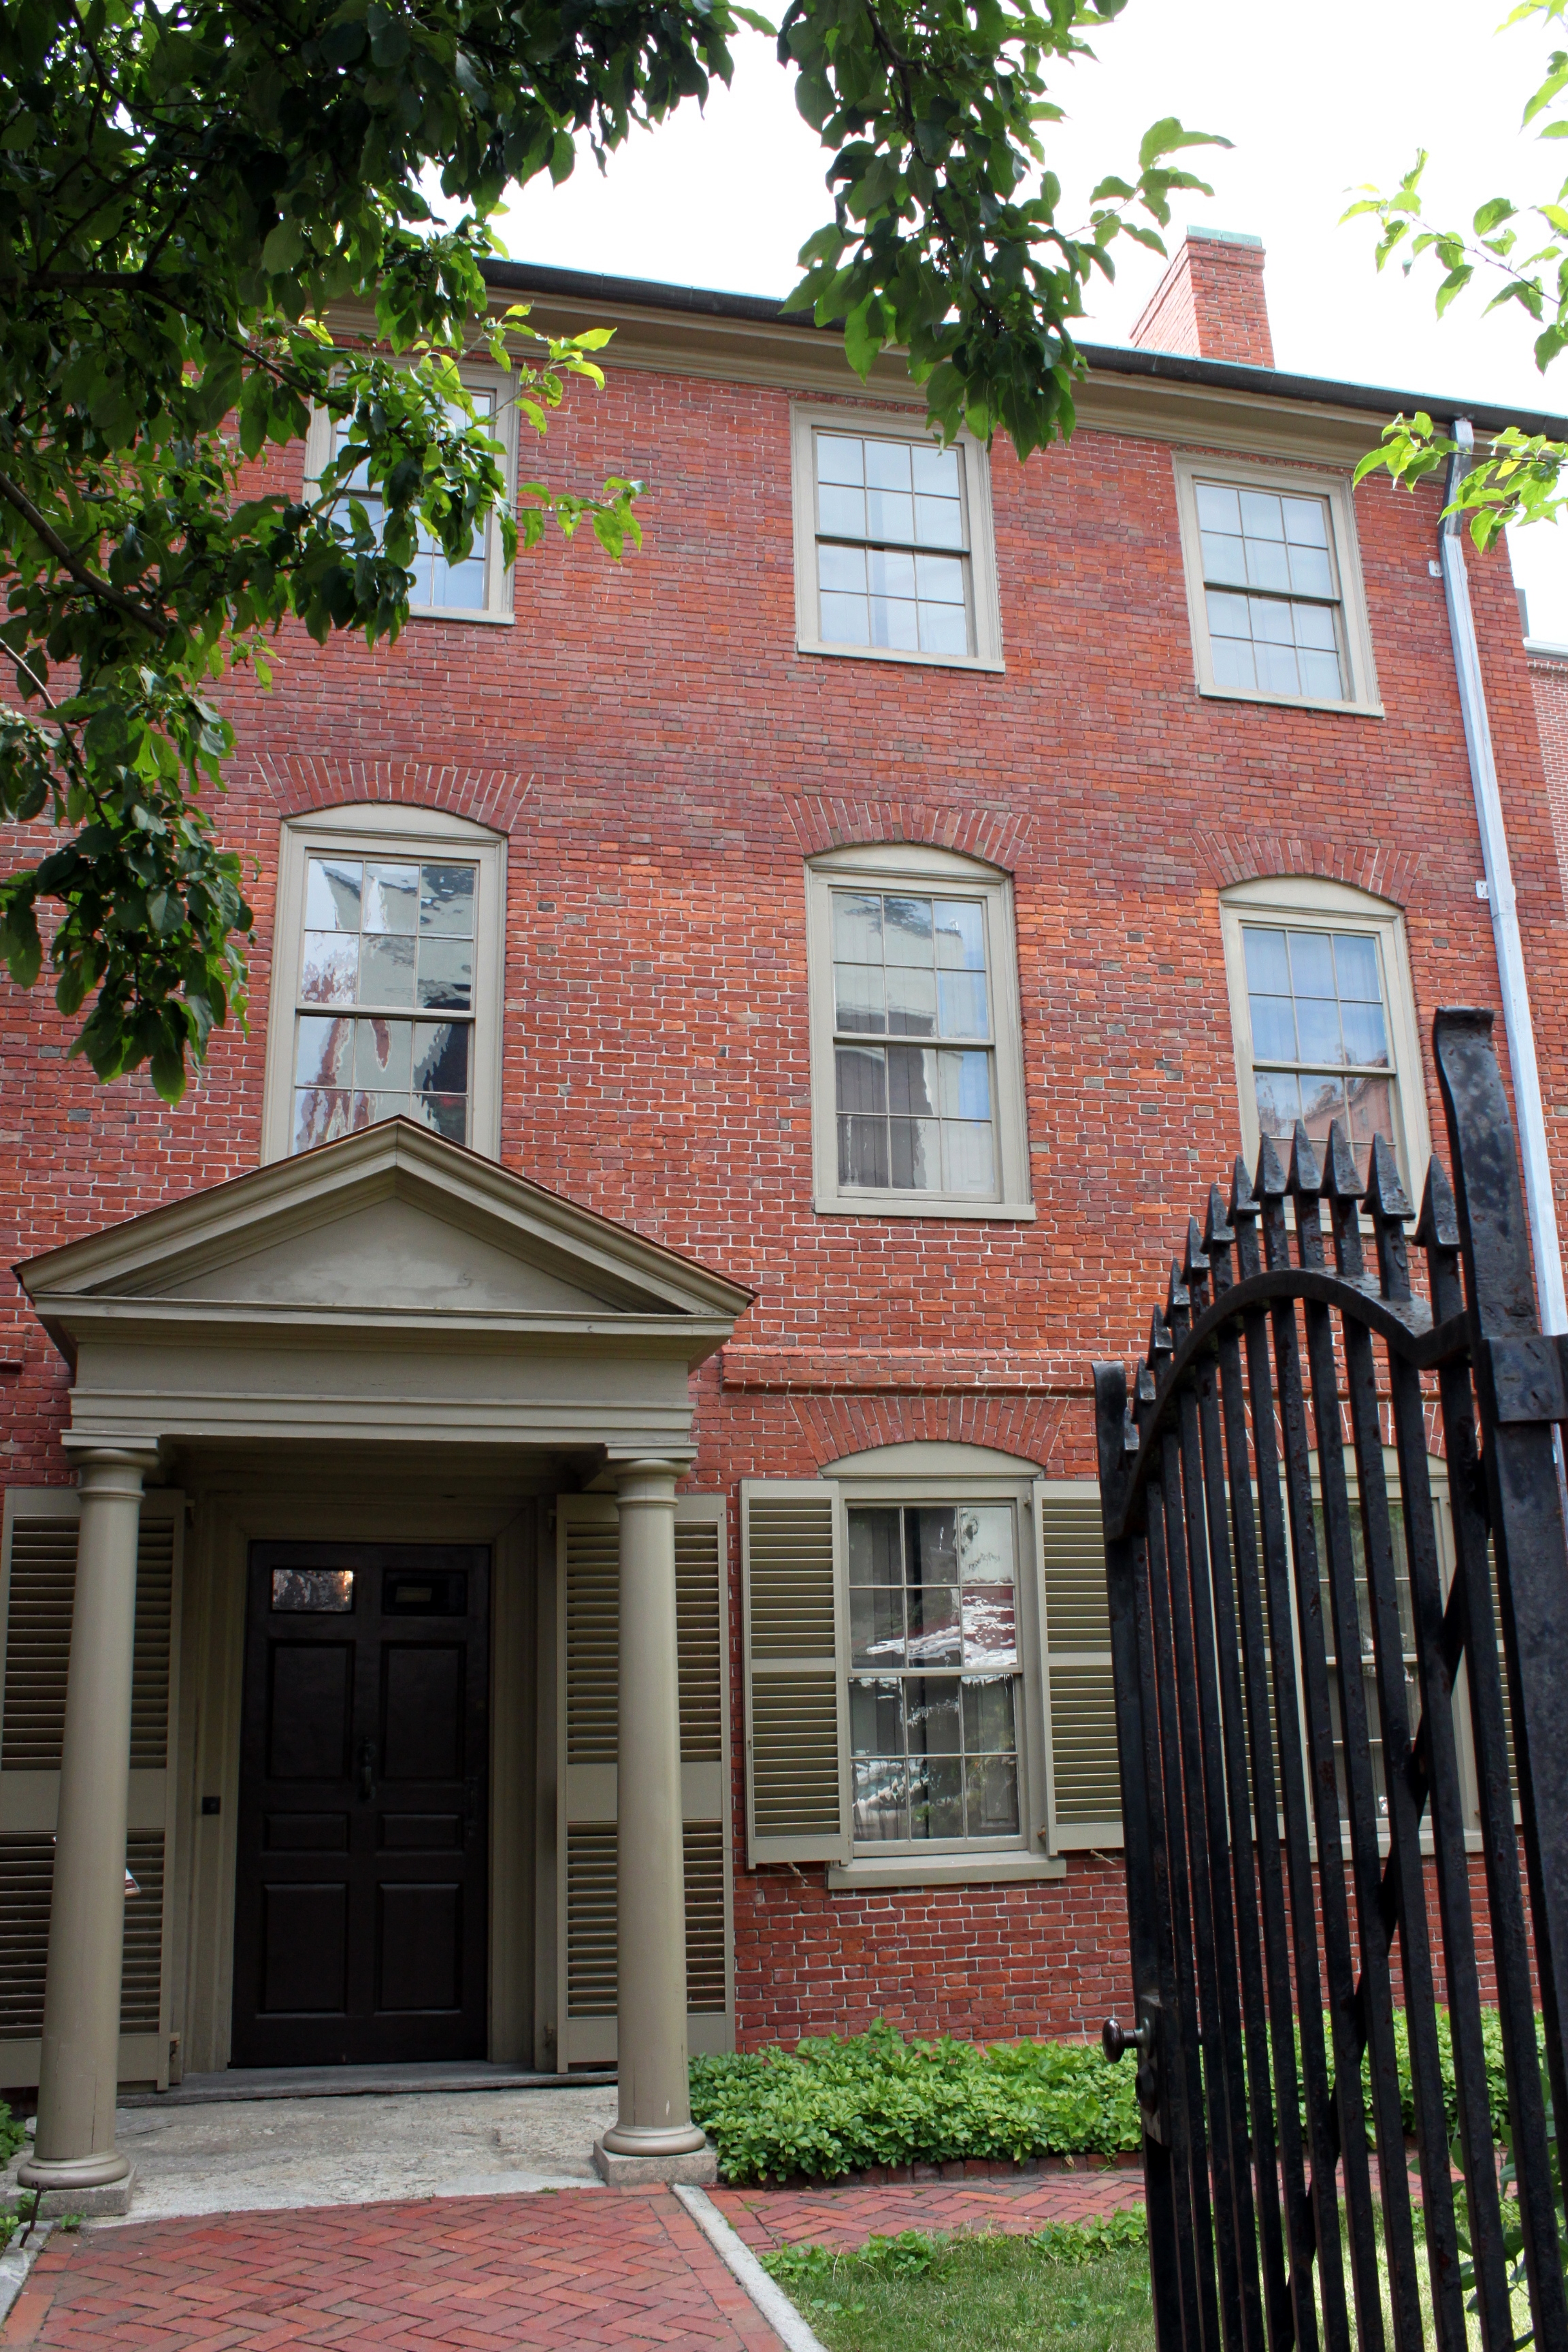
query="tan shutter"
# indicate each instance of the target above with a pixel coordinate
(796, 1673)
(588, 1569)
(1083, 1782)
(38, 1585)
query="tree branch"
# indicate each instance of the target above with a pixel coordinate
(81, 572)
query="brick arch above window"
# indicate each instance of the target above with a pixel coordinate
(1276, 853)
(1029, 1428)
(825, 821)
(308, 785)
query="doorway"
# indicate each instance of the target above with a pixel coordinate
(362, 1883)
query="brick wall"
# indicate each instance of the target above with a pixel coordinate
(1210, 302)
(662, 760)
(1549, 682)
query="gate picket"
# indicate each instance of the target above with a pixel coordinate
(1270, 1867)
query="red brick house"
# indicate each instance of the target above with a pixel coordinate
(818, 964)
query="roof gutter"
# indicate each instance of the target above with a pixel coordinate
(1538, 1193)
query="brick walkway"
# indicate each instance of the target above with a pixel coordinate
(574, 2271)
(568, 2270)
(848, 2216)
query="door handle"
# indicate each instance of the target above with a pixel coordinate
(366, 1770)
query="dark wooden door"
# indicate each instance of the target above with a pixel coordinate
(362, 1865)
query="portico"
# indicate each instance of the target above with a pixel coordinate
(384, 1344)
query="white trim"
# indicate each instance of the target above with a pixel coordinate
(1355, 633)
(498, 604)
(895, 867)
(1304, 903)
(888, 424)
(387, 829)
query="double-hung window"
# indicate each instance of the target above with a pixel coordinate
(387, 978)
(1274, 588)
(384, 1012)
(918, 1084)
(1323, 1015)
(476, 587)
(894, 558)
(934, 1704)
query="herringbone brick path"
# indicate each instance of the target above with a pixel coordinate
(848, 2216)
(572, 2270)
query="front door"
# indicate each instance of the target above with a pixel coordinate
(360, 1929)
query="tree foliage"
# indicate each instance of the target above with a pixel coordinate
(214, 219)
(1521, 251)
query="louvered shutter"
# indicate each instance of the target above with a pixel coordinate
(588, 1570)
(38, 1585)
(1083, 1782)
(796, 1673)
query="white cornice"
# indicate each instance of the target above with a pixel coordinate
(809, 363)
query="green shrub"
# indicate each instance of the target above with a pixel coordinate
(836, 2105)
(11, 2133)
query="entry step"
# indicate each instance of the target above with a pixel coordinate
(355, 2083)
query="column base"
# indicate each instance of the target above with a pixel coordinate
(694, 2167)
(65, 2192)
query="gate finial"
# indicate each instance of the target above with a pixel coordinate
(1390, 1208)
(1440, 1222)
(1218, 1236)
(1305, 1185)
(1271, 1187)
(1244, 1214)
(1195, 1267)
(1344, 1189)
(1178, 1303)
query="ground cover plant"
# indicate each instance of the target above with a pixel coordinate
(836, 2104)
(1082, 2286)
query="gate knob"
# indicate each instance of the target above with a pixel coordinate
(1118, 2038)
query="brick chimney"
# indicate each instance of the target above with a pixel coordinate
(1210, 302)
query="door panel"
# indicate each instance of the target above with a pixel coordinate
(361, 1889)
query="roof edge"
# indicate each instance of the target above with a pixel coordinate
(1105, 358)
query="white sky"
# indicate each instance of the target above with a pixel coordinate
(1315, 103)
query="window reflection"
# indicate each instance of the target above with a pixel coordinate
(934, 1755)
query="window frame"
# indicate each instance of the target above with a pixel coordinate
(893, 425)
(902, 868)
(1301, 902)
(938, 1476)
(496, 609)
(379, 829)
(1334, 490)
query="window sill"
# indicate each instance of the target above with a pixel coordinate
(990, 662)
(934, 1207)
(1288, 701)
(456, 613)
(944, 1869)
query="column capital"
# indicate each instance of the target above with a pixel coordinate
(113, 1469)
(648, 1479)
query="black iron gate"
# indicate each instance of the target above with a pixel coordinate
(1334, 1528)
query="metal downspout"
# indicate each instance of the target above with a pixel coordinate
(1538, 1193)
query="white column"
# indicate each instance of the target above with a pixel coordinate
(654, 2114)
(79, 2074)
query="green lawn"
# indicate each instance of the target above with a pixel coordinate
(1065, 2289)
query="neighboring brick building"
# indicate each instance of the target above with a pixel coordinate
(895, 892)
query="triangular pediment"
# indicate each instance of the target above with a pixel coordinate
(392, 1219)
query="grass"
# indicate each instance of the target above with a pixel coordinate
(1070, 2287)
